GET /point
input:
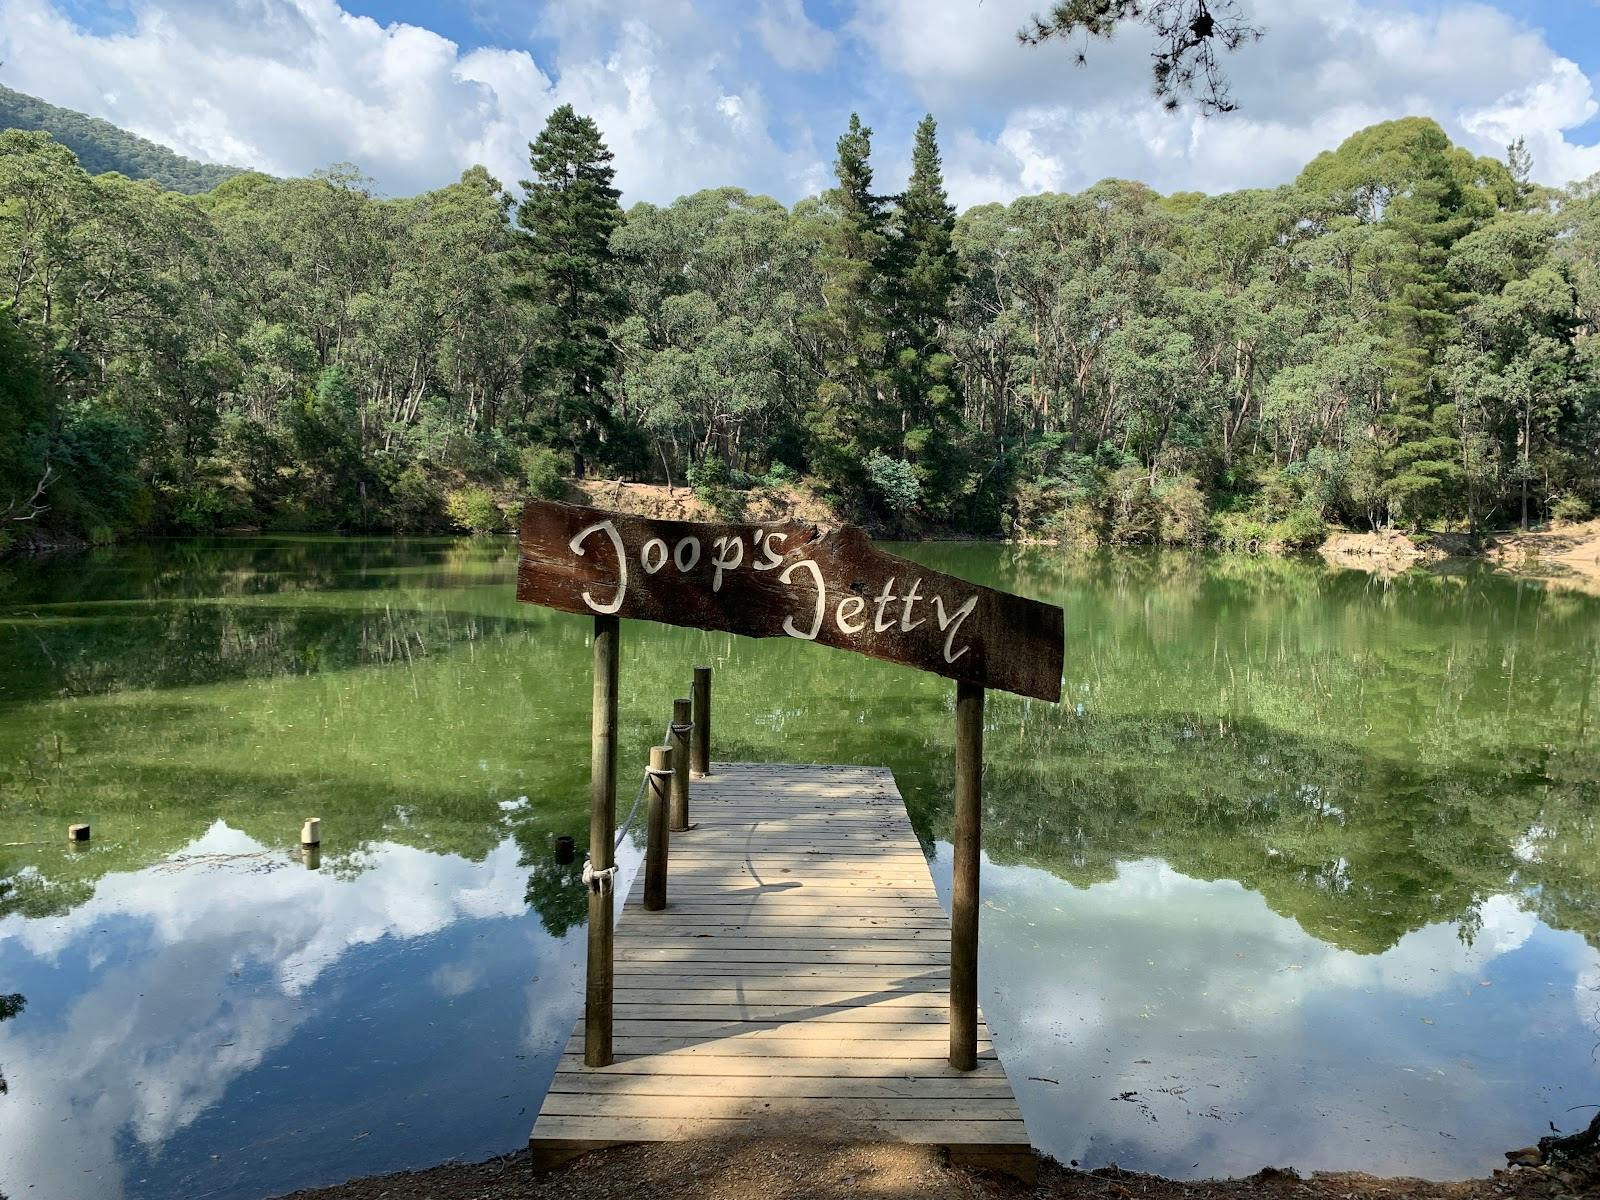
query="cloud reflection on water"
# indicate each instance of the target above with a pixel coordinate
(189, 1021)
(160, 999)
(1179, 1025)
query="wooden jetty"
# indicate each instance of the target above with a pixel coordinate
(784, 966)
(796, 984)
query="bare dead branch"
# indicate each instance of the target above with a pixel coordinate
(27, 510)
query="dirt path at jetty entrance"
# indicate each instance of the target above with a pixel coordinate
(790, 1170)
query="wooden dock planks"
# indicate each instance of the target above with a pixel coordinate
(797, 984)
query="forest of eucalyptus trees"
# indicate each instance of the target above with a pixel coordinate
(1404, 335)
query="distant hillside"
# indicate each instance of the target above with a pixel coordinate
(101, 146)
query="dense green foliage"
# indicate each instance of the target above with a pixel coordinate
(1402, 336)
(102, 147)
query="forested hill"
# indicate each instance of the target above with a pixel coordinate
(101, 146)
(1404, 335)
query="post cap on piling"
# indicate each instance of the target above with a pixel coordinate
(77, 833)
(661, 760)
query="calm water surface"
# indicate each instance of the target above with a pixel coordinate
(1302, 871)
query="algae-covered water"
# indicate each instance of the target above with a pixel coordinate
(1304, 869)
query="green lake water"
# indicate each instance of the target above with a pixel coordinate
(1304, 870)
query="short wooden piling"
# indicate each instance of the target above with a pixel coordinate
(597, 996)
(700, 742)
(77, 833)
(655, 852)
(964, 877)
(681, 727)
(311, 832)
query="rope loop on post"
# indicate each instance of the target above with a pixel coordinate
(682, 730)
(598, 882)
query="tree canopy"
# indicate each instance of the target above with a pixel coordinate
(1404, 335)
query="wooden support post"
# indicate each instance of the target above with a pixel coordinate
(602, 821)
(700, 759)
(655, 849)
(77, 833)
(967, 837)
(681, 727)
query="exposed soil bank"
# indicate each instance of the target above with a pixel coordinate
(1568, 556)
(792, 1170)
(1384, 551)
(660, 502)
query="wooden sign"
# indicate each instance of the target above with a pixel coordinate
(821, 584)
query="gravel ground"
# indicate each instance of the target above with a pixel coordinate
(807, 1170)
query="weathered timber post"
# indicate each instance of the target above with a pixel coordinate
(681, 726)
(700, 758)
(655, 850)
(602, 820)
(967, 836)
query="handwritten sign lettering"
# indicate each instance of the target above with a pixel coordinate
(820, 584)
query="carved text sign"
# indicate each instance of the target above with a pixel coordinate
(792, 579)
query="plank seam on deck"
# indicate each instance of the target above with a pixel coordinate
(800, 901)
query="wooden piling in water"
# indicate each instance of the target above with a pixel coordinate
(597, 998)
(77, 833)
(682, 724)
(311, 832)
(700, 756)
(964, 877)
(656, 839)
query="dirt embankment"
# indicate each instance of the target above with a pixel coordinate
(1567, 556)
(797, 1170)
(1384, 551)
(681, 504)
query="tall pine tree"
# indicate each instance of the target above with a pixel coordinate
(922, 273)
(569, 213)
(1422, 451)
(852, 419)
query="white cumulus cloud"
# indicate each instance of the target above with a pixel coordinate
(1025, 119)
(702, 93)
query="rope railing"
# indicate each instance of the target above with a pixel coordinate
(644, 782)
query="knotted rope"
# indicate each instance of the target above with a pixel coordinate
(598, 882)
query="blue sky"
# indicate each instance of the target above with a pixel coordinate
(703, 93)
